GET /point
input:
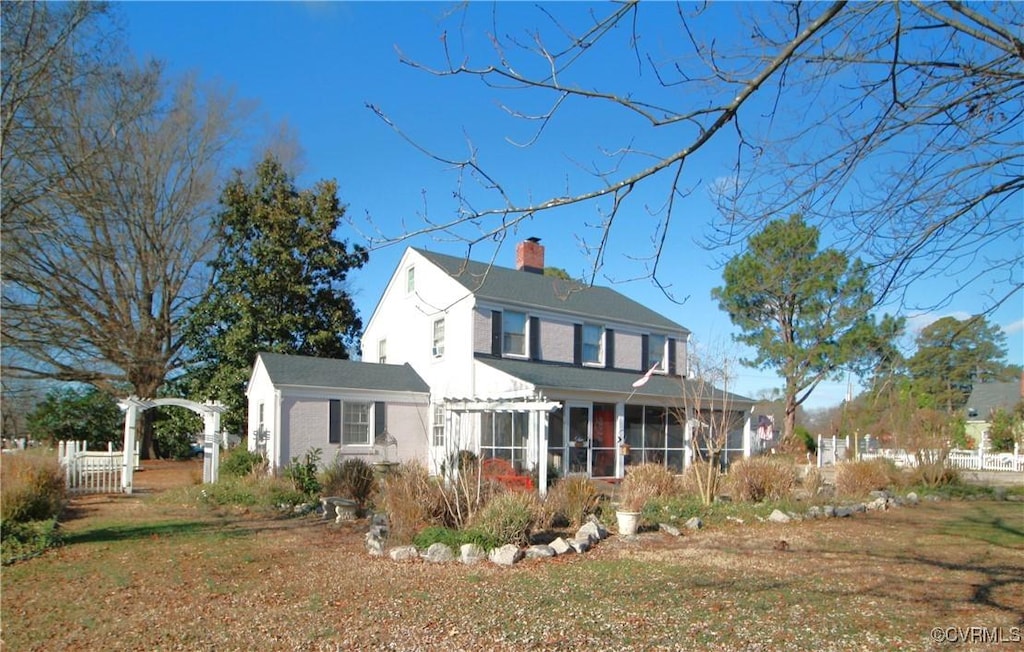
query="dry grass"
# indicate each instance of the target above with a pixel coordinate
(761, 478)
(205, 579)
(858, 479)
(33, 487)
(572, 498)
(645, 482)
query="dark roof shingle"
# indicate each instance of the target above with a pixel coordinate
(305, 371)
(505, 285)
(559, 376)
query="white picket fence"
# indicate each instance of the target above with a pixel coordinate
(92, 472)
(965, 460)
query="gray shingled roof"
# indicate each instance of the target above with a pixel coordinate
(988, 397)
(558, 376)
(305, 371)
(503, 285)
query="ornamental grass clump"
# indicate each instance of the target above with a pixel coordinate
(508, 517)
(645, 482)
(859, 478)
(352, 478)
(571, 499)
(410, 499)
(761, 478)
(33, 488)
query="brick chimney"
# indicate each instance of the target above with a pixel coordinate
(530, 256)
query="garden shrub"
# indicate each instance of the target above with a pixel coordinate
(454, 539)
(761, 478)
(934, 474)
(351, 478)
(304, 474)
(509, 517)
(859, 478)
(240, 462)
(572, 498)
(33, 488)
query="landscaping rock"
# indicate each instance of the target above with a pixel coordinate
(829, 511)
(843, 512)
(669, 529)
(859, 508)
(814, 512)
(561, 546)
(735, 519)
(879, 504)
(539, 551)
(879, 494)
(374, 544)
(694, 523)
(439, 553)
(404, 553)
(778, 516)
(602, 531)
(581, 545)
(506, 555)
(588, 531)
(471, 553)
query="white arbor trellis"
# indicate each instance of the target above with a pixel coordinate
(210, 411)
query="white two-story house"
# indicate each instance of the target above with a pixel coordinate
(553, 376)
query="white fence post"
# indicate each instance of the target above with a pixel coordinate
(819, 450)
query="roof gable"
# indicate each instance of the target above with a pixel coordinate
(509, 286)
(986, 398)
(305, 371)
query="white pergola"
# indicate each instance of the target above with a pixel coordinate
(210, 411)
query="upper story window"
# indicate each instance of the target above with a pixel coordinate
(513, 334)
(410, 280)
(656, 353)
(438, 340)
(382, 351)
(593, 344)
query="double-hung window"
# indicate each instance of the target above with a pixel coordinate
(437, 350)
(593, 344)
(350, 423)
(382, 351)
(410, 280)
(513, 336)
(656, 355)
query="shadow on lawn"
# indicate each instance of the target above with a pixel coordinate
(130, 532)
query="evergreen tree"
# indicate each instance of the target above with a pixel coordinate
(279, 284)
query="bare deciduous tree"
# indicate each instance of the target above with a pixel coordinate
(109, 180)
(896, 125)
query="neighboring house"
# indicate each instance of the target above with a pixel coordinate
(986, 399)
(342, 407)
(531, 368)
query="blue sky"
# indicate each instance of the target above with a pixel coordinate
(317, 65)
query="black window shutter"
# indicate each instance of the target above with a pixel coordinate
(672, 356)
(334, 429)
(495, 332)
(609, 348)
(380, 419)
(577, 344)
(534, 336)
(645, 351)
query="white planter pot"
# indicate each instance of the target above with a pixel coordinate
(628, 522)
